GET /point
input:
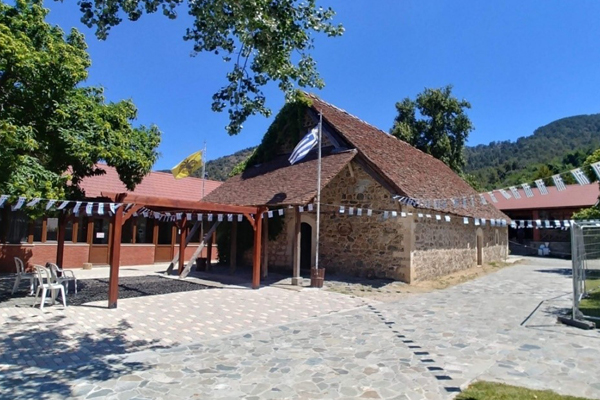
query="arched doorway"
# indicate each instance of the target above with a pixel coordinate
(479, 247)
(305, 246)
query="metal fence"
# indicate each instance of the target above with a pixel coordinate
(585, 247)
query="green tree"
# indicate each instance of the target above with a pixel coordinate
(53, 130)
(264, 40)
(440, 128)
(591, 212)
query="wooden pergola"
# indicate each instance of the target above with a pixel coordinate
(253, 214)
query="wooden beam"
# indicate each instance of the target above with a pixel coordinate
(182, 243)
(115, 258)
(296, 241)
(257, 246)
(233, 251)
(264, 270)
(188, 238)
(190, 263)
(44, 230)
(197, 206)
(90, 230)
(75, 230)
(209, 250)
(129, 213)
(251, 220)
(60, 246)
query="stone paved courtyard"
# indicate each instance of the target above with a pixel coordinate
(284, 344)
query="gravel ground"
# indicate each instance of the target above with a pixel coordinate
(89, 290)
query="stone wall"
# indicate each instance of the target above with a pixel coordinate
(442, 247)
(403, 248)
(362, 246)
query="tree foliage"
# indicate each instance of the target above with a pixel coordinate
(435, 123)
(53, 130)
(591, 212)
(557, 147)
(264, 41)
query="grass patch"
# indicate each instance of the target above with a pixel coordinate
(500, 391)
(590, 305)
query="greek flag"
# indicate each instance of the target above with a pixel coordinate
(596, 168)
(541, 186)
(580, 176)
(559, 183)
(527, 190)
(306, 144)
(515, 192)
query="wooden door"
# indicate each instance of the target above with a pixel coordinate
(99, 249)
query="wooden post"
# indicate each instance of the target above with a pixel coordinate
(60, 246)
(209, 250)
(182, 243)
(233, 251)
(537, 235)
(296, 241)
(115, 256)
(257, 245)
(264, 270)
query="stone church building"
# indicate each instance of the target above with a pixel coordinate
(362, 167)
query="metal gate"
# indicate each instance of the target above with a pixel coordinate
(585, 247)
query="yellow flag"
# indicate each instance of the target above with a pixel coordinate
(188, 166)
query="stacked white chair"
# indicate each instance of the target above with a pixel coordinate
(62, 275)
(45, 284)
(22, 275)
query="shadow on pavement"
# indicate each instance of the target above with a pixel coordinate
(44, 359)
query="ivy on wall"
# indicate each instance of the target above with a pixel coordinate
(283, 134)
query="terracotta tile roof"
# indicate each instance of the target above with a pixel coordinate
(412, 172)
(279, 183)
(576, 196)
(156, 184)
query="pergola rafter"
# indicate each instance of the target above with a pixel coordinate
(253, 214)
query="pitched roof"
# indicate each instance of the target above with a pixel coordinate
(279, 183)
(414, 173)
(156, 184)
(576, 196)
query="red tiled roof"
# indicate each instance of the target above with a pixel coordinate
(156, 184)
(279, 183)
(414, 173)
(577, 196)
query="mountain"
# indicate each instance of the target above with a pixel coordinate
(561, 145)
(219, 168)
(556, 147)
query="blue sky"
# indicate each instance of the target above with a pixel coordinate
(520, 64)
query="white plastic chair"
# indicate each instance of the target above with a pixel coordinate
(22, 275)
(62, 275)
(45, 283)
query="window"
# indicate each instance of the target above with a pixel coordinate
(38, 227)
(165, 232)
(144, 230)
(18, 228)
(101, 226)
(127, 233)
(82, 230)
(52, 229)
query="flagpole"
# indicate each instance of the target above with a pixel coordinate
(203, 168)
(318, 192)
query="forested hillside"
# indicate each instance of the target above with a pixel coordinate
(219, 168)
(560, 145)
